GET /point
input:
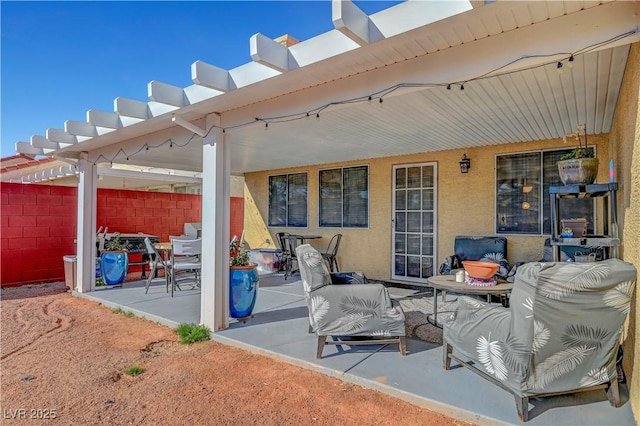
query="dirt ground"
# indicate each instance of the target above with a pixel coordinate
(63, 361)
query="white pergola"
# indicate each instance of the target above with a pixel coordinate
(375, 86)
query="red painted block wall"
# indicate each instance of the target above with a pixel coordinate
(38, 224)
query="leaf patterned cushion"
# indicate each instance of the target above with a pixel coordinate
(355, 309)
(560, 333)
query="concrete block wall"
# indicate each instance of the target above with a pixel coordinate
(38, 227)
(38, 224)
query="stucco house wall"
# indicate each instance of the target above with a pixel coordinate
(466, 205)
(625, 149)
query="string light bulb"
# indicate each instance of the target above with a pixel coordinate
(449, 86)
(570, 61)
(559, 67)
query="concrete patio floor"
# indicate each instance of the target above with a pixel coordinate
(279, 329)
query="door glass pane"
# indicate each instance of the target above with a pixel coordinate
(427, 245)
(427, 222)
(413, 244)
(427, 176)
(400, 244)
(414, 266)
(401, 200)
(427, 199)
(413, 199)
(427, 267)
(413, 222)
(400, 265)
(401, 222)
(401, 178)
(414, 177)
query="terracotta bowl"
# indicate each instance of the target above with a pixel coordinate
(477, 269)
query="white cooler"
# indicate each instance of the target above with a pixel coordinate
(266, 259)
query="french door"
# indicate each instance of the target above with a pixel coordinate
(414, 222)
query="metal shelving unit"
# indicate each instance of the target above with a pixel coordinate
(609, 240)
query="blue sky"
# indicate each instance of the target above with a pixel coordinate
(60, 59)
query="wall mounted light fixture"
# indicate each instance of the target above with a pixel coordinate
(465, 164)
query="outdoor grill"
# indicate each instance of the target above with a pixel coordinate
(136, 246)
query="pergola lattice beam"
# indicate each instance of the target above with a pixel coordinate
(131, 108)
(80, 128)
(109, 120)
(27, 149)
(44, 143)
(166, 94)
(62, 137)
(363, 29)
(270, 53)
(207, 75)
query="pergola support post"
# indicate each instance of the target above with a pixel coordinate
(86, 224)
(216, 191)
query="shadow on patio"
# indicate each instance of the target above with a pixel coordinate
(279, 328)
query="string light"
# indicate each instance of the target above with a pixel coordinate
(296, 116)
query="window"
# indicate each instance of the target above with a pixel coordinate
(288, 200)
(344, 197)
(523, 205)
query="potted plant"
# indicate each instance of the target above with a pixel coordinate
(243, 281)
(114, 260)
(578, 167)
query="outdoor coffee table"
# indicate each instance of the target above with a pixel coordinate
(447, 283)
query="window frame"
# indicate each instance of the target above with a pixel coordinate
(543, 197)
(343, 195)
(287, 201)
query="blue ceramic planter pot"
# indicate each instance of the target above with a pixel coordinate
(113, 266)
(243, 281)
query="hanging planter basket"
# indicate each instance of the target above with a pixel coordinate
(578, 171)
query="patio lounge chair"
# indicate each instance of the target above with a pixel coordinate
(348, 311)
(560, 335)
